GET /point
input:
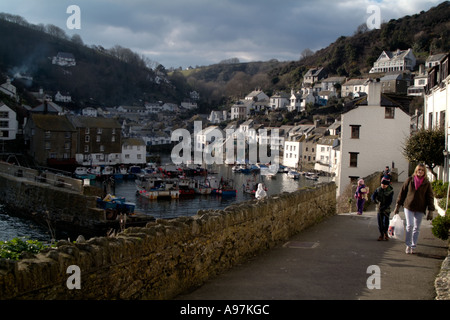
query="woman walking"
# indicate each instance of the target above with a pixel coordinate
(416, 196)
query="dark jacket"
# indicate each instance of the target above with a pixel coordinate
(384, 197)
(416, 200)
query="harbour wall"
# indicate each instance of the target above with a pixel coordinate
(51, 199)
(166, 257)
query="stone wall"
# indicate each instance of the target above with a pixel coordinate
(167, 257)
(62, 207)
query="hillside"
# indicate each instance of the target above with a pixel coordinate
(350, 56)
(97, 78)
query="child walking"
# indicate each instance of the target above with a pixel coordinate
(361, 196)
(383, 196)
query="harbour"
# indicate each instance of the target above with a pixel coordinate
(167, 208)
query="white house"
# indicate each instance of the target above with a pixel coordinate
(373, 133)
(329, 84)
(241, 109)
(64, 59)
(279, 101)
(437, 106)
(292, 153)
(133, 151)
(354, 87)
(257, 95)
(217, 116)
(8, 123)
(398, 60)
(295, 102)
(89, 112)
(325, 156)
(63, 97)
(9, 89)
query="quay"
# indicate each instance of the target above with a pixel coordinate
(58, 201)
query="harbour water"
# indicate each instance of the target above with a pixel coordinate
(11, 226)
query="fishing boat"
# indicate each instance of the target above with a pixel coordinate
(225, 188)
(156, 188)
(292, 174)
(311, 176)
(82, 173)
(115, 205)
(186, 187)
(202, 187)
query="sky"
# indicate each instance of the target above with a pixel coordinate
(183, 33)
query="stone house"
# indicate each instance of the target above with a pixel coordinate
(52, 139)
(99, 140)
(314, 75)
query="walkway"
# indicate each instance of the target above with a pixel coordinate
(331, 261)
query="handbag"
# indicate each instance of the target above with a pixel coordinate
(396, 228)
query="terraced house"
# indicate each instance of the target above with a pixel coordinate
(51, 139)
(99, 141)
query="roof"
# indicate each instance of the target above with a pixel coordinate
(51, 107)
(90, 122)
(133, 142)
(387, 100)
(51, 122)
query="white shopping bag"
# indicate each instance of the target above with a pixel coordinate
(396, 228)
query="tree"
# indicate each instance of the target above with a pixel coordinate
(426, 146)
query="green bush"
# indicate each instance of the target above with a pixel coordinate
(439, 188)
(441, 226)
(13, 249)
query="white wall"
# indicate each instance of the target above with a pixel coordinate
(379, 145)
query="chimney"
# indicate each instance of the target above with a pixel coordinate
(374, 95)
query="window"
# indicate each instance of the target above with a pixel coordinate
(355, 131)
(86, 131)
(4, 114)
(389, 113)
(353, 159)
(86, 138)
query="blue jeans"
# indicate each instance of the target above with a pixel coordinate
(413, 221)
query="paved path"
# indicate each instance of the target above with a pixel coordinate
(331, 261)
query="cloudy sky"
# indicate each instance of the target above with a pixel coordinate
(202, 32)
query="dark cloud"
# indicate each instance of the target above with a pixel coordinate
(201, 32)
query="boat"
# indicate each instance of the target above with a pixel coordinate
(224, 188)
(156, 187)
(107, 171)
(82, 173)
(186, 187)
(311, 176)
(115, 205)
(293, 174)
(97, 171)
(202, 187)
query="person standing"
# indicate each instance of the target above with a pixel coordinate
(361, 196)
(383, 196)
(416, 196)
